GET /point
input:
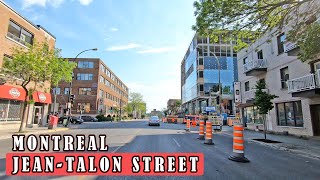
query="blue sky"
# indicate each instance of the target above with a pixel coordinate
(142, 41)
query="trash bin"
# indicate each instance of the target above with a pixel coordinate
(53, 121)
(65, 122)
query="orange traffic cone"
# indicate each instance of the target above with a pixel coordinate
(238, 144)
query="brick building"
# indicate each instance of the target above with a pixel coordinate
(96, 88)
(17, 31)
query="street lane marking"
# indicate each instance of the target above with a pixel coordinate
(176, 142)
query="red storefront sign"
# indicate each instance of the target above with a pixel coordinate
(42, 97)
(11, 92)
(18, 93)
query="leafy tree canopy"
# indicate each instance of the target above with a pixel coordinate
(250, 19)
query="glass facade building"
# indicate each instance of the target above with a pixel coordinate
(200, 75)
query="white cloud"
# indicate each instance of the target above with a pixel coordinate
(85, 2)
(114, 29)
(43, 3)
(123, 47)
(155, 50)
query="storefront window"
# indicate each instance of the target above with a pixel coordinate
(9, 110)
(251, 115)
(290, 114)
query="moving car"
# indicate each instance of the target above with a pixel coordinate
(154, 120)
(74, 120)
(89, 119)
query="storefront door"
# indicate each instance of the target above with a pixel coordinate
(37, 114)
(315, 118)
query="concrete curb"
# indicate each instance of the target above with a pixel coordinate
(9, 135)
(299, 152)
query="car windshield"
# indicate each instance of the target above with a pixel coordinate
(154, 118)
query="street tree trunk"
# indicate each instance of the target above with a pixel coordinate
(26, 106)
(265, 126)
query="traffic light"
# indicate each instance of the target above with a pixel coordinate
(71, 98)
(218, 99)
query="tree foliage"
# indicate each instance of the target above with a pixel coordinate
(136, 103)
(263, 100)
(174, 108)
(250, 19)
(38, 65)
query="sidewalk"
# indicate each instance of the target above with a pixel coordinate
(307, 147)
(7, 134)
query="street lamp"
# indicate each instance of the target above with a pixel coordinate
(219, 86)
(70, 87)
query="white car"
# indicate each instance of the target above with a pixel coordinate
(154, 120)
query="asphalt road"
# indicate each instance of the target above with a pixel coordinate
(137, 136)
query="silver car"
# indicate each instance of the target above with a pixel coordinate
(154, 120)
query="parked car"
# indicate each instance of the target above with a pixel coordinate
(89, 119)
(154, 120)
(74, 120)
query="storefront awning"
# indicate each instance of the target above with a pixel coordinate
(12, 92)
(18, 93)
(42, 97)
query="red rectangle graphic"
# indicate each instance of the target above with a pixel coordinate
(107, 164)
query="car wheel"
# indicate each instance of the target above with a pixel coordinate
(74, 122)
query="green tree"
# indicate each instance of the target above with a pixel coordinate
(263, 102)
(136, 102)
(36, 66)
(250, 19)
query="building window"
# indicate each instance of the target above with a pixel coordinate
(245, 60)
(85, 64)
(66, 90)
(84, 91)
(101, 92)
(200, 74)
(102, 79)
(108, 73)
(85, 107)
(280, 39)
(19, 34)
(246, 86)
(57, 90)
(201, 87)
(290, 114)
(260, 54)
(200, 60)
(107, 83)
(84, 77)
(102, 68)
(284, 73)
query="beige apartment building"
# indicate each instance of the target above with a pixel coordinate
(297, 85)
(17, 31)
(96, 88)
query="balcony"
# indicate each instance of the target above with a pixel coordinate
(250, 95)
(255, 67)
(305, 86)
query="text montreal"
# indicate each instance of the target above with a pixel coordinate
(106, 164)
(59, 143)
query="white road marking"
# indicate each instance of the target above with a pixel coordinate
(176, 142)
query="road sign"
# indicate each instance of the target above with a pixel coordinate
(210, 109)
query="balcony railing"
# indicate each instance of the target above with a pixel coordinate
(304, 83)
(15, 38)
(288, 46)
(255, 64)
(250, 95)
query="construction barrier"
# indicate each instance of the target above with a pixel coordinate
(188, 125)
(194, 123)
(201, 130)
(233, 120)
(238, 144)
(172, 119)
(208, 139)
(216, 122)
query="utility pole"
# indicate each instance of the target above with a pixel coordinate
(219, 86)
